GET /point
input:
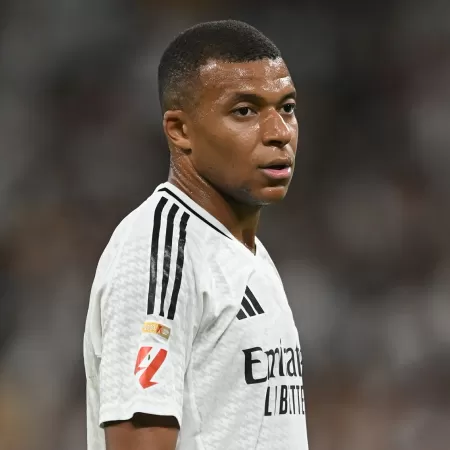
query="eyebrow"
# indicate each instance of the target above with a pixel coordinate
(258, 99)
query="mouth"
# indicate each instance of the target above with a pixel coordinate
(278, 170)
(277, 166)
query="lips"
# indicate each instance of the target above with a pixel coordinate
(278, 171)
(278, 164)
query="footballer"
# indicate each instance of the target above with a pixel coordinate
(190, 343)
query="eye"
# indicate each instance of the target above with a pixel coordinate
(289, 108)
(243, 111)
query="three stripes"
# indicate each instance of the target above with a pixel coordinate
(249, 306)
(167, 258)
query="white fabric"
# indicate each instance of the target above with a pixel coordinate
(230, 370)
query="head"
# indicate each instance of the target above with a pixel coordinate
(228, 102)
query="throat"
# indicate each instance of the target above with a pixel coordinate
(248, 239)
(240, 219)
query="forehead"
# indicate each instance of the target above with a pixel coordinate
(265, 77)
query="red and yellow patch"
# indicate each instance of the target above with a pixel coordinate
(156, 328)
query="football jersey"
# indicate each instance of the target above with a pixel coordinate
(185, 321)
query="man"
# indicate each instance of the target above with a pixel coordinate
(190, 343)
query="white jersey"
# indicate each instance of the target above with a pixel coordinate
(184, 321)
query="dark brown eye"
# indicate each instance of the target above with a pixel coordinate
(244, 111)
(289, 108)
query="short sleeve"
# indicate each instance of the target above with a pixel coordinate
(150, 312)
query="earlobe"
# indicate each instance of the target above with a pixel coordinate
(176, 129)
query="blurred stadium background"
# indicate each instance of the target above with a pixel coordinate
(362, 241)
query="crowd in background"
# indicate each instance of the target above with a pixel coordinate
(361, 242)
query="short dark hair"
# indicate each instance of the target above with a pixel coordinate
(223, 40)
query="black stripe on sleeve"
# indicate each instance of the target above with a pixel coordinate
(167, 254)
(253, 300)
(154, 255)
(164, 189)
(241, 315)
(179, 267)
(247, 307)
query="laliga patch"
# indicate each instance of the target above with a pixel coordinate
(156, 328)
(148, 362)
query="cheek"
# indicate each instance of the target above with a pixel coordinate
(242, 140)
(228, 145)
(294, 140)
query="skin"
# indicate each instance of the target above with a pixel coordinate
(243, 119)
(142, 432)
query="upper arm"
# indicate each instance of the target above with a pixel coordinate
(142, 432)
(149, 315)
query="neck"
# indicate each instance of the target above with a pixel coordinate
(240, 219)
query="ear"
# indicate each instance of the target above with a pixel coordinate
(176, 129)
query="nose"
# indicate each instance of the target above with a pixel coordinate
(275, 131)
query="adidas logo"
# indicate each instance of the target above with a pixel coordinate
(249, 306)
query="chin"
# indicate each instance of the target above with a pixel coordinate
(272, 194)
(262, 196)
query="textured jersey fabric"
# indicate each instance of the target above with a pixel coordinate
(185, 321)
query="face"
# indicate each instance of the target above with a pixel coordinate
(243, 131)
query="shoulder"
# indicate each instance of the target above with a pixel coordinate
(162, 224)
